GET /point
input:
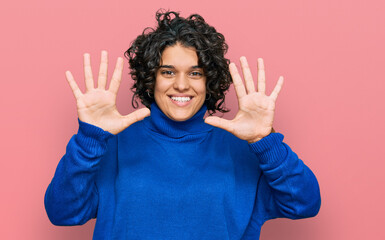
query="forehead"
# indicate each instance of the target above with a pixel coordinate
(179, 56)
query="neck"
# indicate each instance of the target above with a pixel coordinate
(162, 124)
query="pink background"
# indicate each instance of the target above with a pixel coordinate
(331, 107)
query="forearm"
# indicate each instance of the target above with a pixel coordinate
(71, 197)
(293, 185)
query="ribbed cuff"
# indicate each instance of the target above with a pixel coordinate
(92, 135)
(270, 149)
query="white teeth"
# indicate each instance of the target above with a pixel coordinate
(181, 99)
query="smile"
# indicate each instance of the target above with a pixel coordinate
(181, 99)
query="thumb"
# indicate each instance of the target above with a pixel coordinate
(220, 122)
(137, 115)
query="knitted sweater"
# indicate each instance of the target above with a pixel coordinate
(162, 179)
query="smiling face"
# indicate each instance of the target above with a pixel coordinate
(180, 85)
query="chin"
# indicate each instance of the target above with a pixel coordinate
(181, 117)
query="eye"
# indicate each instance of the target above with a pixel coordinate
(167, 72)
(196, 74)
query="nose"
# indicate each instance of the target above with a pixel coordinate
(181, 83)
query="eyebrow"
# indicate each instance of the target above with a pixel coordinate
(171, 66)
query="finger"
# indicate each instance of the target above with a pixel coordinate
(136, 116)
(116, 76)
(75, 89)
(277, 88)
(88, 71)
(261, 76)
(220, 122)
(250, 87)
(237, 80)
(102, 78)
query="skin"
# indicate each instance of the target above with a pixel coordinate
(97, 106)
(255, 116)
(254, 120)
(180, 76)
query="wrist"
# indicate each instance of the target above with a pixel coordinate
(270, 149)
(91, 131)
(256, 139)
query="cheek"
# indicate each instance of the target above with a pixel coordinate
(160, 86)
(201, 88)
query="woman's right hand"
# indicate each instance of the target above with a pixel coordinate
(97, 106)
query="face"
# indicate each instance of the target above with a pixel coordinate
(180, 85)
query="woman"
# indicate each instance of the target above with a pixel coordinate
(175, 175)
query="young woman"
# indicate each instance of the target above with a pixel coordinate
(164, 172)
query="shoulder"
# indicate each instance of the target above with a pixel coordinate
(225, 135)
(135, 133)
(229, 140)
(133, 128)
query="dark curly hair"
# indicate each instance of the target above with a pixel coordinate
(145, 54)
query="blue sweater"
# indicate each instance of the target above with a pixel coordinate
(162, 179)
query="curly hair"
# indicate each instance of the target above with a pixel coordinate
(145, 52)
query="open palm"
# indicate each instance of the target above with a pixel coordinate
(255, 116)
(97, 106)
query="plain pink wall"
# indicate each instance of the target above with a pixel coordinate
(331, 107)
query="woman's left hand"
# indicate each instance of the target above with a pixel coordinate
(255, 116)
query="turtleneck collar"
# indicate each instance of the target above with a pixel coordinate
(162, 124)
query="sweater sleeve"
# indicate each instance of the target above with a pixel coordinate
(71, 198)
(287, 187)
